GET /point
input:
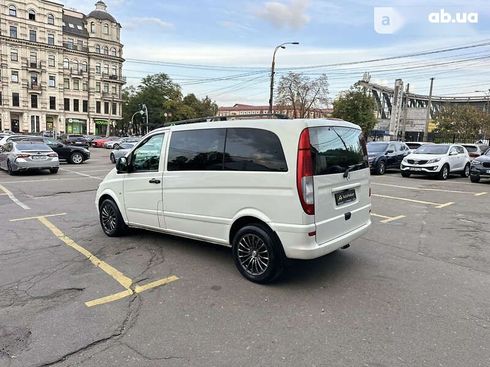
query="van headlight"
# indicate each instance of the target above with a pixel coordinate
(435, 160)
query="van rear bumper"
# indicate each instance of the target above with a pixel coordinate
(301, 246)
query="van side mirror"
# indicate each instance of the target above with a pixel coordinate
(122, 165)
(390, 151)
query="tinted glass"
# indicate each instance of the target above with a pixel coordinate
(413, 145)
(487, 152)
(471, 148)
(253, 150)
(376, 147)
(460, 150)
(432, 149)
(147, 156)
(196, 150)
(33, 147)
(127, 145)
(334, 149)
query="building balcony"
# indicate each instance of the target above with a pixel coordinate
(71, 46)
(33, 66)
(34, 88)
(113, 78)
(77, 73)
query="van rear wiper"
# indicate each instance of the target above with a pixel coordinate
(351, 167)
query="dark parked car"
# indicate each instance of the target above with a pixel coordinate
(70, 153)
(385, 155)
(78, 140)
(480, 167)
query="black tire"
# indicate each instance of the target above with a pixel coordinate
(381, 168)
(113, 159)
(76, 158)
(53, 170)
(9, 169)
(466, 171)
(475, 179)
(257, 254)
(443, 173)
(405, 174)
(111, 220)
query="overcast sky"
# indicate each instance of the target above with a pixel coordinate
(236, 38)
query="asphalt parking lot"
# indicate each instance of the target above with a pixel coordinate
(415, 291)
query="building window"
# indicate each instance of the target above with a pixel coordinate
(67, 104)
(97, 87)
(32, 35)
(114, 89)
(12, 11)
(33, 60)
(35, 128)
(50, 19)
(79, 45)
(97, 68)
(34, 100)
(114, 108)
(50, 39)
(106, 28)
(14, 56)
(114, 70)
(51, 61)
(106, 88)
(76, 105)
(84, 106)
(15, 100)
(75, 66)
(85, 86)
(106, 69)
(97, 107)
(106, 50)
(52, 81)
(13, 31)
(32, 15)
(92, 27)
(33, 79)
(15, 76)
(69, 43)
(97, 49)
(84, 67)
(66, 83)
(106, 108)
(66, 64)
(113, 52)
(52, 103)
(76, 84)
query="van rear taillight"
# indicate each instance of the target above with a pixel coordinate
(304, 174)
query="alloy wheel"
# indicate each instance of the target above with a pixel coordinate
(77, 158)
(253, 254)
(109, 218)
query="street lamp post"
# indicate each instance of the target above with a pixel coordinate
(271, 96)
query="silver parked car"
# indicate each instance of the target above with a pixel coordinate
(114, 144)
(121, 151)
(22, 155)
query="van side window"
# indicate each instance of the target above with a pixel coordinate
(196, 150)
(253, 150)
(147, 156)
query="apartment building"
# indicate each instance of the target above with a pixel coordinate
(239, 109)
(61, 70)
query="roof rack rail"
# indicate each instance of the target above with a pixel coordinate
(226, 118)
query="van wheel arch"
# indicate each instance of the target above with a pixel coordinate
(247, 221)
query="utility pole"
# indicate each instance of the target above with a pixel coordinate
(146, 115)
(405, 115)
(427, 118)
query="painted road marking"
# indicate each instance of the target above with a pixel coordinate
(43, 180)
(427, 189)
(387, 219)
(437, 205)
(82, 174)
(13, 198)
(126, 282)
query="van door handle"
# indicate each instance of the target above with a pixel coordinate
(154, 181)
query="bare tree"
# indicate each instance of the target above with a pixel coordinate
(301, 93)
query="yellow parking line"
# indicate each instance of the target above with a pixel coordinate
(387, 219)
(110, 298)
(429, 189)
(437, 205)
(156, 283)
(39, 216)
(13, 198)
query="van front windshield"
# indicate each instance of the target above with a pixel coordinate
(335, 149)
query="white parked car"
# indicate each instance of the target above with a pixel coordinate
(437, 160)
(269, 189)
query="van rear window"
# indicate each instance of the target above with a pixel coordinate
(335, 149)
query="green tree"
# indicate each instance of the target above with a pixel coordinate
(355, 105)
(462, 120)
(301, 93)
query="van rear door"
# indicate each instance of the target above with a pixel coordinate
(340, 179)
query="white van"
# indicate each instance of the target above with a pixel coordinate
(269, 189)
